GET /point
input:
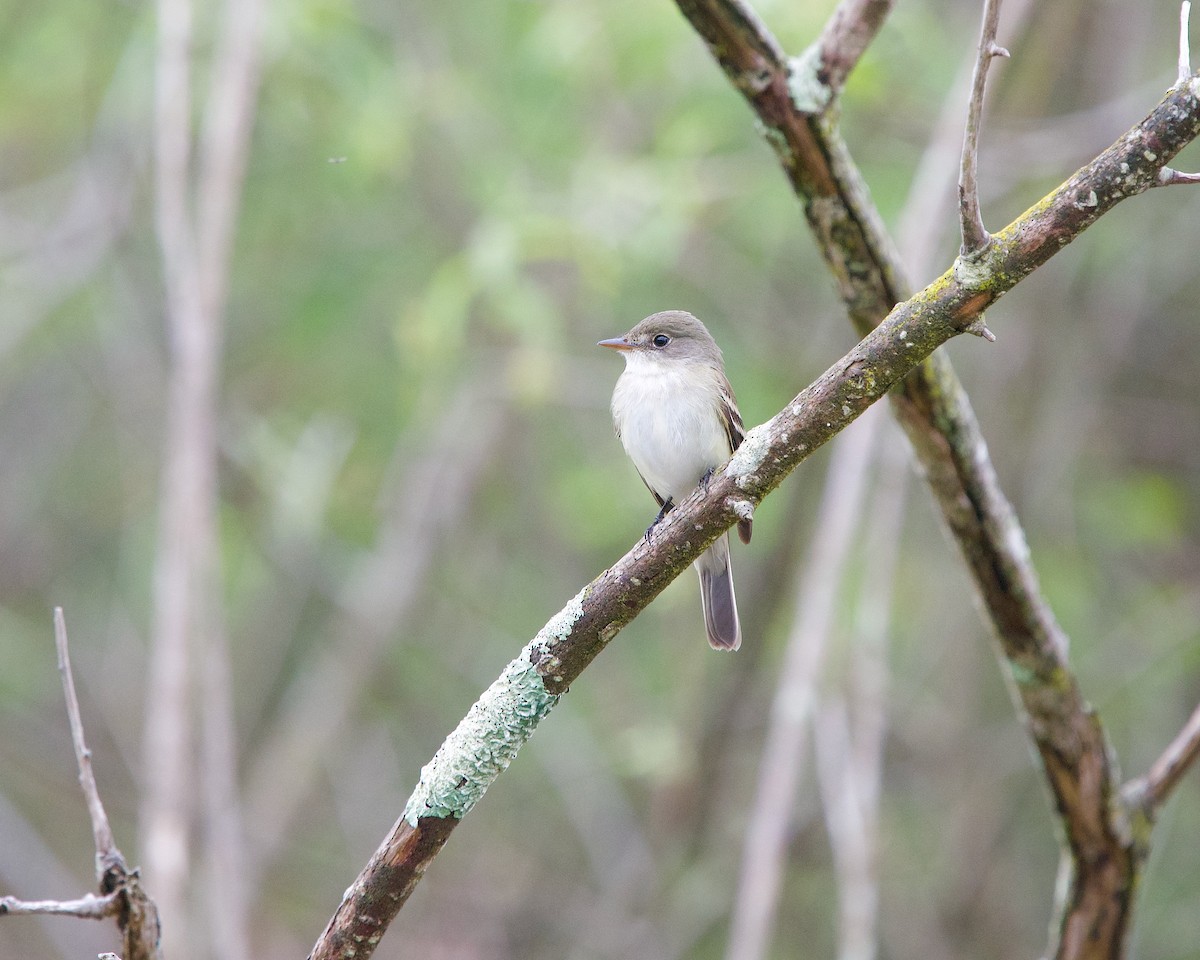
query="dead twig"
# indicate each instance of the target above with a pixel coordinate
(121, 893)
(87, 907)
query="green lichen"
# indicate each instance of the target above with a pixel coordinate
(485, 741)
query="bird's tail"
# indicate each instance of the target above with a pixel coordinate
(716, 593)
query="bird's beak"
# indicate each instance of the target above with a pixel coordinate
(616, 343)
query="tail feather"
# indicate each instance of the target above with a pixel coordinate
(716, 593)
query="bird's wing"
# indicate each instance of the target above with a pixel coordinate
(731, 419)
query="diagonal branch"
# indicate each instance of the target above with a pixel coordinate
(504, 717)
(107, 855)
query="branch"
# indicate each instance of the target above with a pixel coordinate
(1168, 177)
(846, 37)
(107, 855)
(934, 410)
(505, 716)
(87, 907)
(1185, 55)
(1152, 791)
(974, 237)
(122, 895)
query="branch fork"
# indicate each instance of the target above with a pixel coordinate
(121, 893)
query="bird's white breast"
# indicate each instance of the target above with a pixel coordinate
(670, 423)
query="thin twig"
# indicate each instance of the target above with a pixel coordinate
(87, 907)
(101, 830)
(1185, 55)
(1174, 762)
(1169, 177)
(974, 237)
(122, 895)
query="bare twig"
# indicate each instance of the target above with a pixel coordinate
(1170, 767)
(101, 831)
(779, 768)
(1185, 55)
(87, 907)
(974, 237)
(121, 892)
(1168, 177)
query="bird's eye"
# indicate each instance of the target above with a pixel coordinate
(661, 340)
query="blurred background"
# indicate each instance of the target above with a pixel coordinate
(444, 207)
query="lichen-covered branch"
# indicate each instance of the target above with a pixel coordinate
(505, 716)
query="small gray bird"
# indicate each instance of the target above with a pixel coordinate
(675, 414)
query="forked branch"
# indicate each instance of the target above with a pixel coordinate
(121, 893)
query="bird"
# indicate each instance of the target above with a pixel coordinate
(676, 416)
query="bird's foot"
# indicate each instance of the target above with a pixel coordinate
(667, 505)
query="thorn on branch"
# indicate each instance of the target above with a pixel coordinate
(979, 328)
(974, 237)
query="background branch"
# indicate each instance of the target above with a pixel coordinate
(1153, 790)
(782, 759)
